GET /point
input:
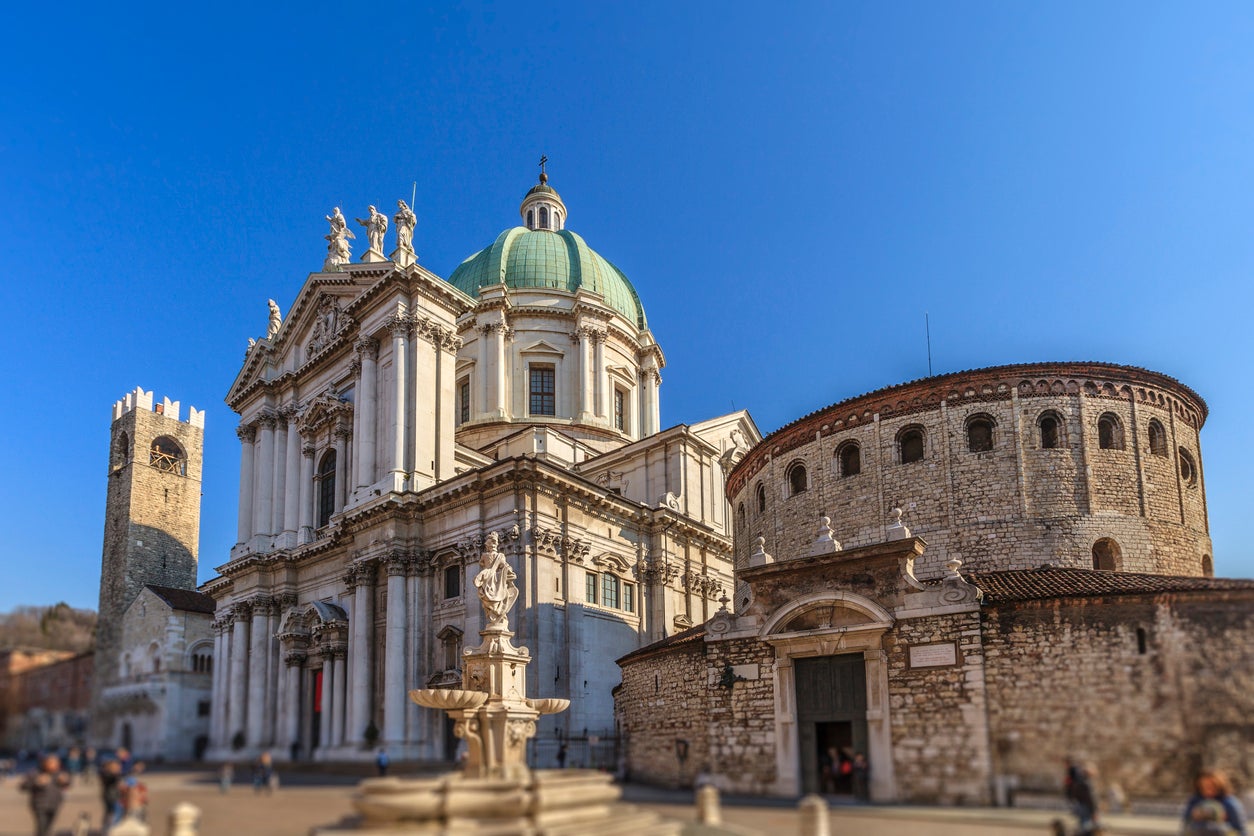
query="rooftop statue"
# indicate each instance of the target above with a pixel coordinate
(338, 251)
(405, 221)
(376, 225)
(276, 320)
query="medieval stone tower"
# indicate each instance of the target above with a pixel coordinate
(152, 519)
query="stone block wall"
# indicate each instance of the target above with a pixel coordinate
(740, 709)
(662, 700)
(1015, 506)
(940, 742)
(1148, 688)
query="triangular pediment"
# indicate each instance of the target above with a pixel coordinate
(541, 347)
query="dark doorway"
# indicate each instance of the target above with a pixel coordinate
(831, 720)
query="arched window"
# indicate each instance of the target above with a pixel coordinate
(1109, 432)
(849, 459)
(910, 445)
(761, 498)
(740, 516)
(1188, 470)
(1208, 566)
(1157, 438)
(531, 219)
(167, 455)
(1142, 641)
(1051, 430)
(121, 451)
(1106, 555)
(797, 481)
(980, 434)
(544, 217)
(326, 488)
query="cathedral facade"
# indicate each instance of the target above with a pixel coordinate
(390, 423)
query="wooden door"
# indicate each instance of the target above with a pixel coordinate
(830, 689)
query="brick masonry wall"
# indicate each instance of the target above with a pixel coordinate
(1016, 506)
(1068, 677)
(662, 699)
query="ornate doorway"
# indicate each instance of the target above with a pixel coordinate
(831, 719)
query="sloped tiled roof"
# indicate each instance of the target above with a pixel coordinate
(689, 636)
(187, 600)
(1055, 582)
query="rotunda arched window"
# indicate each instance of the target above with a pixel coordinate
(910, 445)
(1157, 438)
(1051, 427)
(1188, 469)
(980, 434)
(849, 459)
(740, 516)
(1106, 555)
(1109, 432)
(798, 481)
(761, 492)
(167, 455)
(1208, 566)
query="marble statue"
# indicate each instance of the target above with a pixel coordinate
(376, 225)
(338, 251)
(276, 320)
(495, 582)
(405, 221)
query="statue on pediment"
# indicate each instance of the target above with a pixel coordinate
(276, 321)
(376, 225)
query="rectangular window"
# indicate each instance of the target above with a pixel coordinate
(202, 708)
(620, 410)
(463, 400)
(542, 390)
(453, 582)
(609, 591)
(590, 593)
(629, 597)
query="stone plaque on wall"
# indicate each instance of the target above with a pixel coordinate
(933, 655)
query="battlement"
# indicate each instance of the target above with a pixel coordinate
(139, 399)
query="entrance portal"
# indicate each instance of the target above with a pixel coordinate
(831, 720)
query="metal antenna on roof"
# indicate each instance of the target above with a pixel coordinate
(927, 327)
(414, 198)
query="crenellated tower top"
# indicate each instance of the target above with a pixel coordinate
(139, 399)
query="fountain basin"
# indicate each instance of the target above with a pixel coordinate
(448, 699)
(552, 705)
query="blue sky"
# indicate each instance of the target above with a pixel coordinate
(790, 189)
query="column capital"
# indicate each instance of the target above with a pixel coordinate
(354, 366)
(263, 605)
(360, 574)
(398, 563)
(367, 347)
(267, 419)
(295, 658)
(307, 450)
(398, 324)
(290, 412)
(241, 610)
(342, 431)
(246, 433)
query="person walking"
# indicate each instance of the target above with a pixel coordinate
(381, 762)
(111, 793)
(1078, 788)
(225, 776)
(1213, 809)
(263, 774)
(46, 786)
(861, 778)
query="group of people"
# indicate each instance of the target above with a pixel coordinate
(122, 789)
(1212, 810)
(845, 772)
(265, 779)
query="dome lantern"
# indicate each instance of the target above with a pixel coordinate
(542, 207)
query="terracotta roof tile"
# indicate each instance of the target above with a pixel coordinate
(1054, 582)
(187, 600)
(689, 636)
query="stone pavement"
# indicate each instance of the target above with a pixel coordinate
(310, 800)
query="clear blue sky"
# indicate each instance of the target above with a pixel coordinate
(790, 188)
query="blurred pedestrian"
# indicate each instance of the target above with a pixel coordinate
(74, 763)
(1078, 786)
(381, 762)
(111, 792)
(46, 786)
(135, 793)
(89, 766)
(1213, 809)
(263, 774)
(225, 776)
(861, 778)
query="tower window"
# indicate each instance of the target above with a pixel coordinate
(1188, 470)
(1157, 438)
(453, 582)
(980, 435)
(1109, 432)
(797, 479)
(910, 443)
(544, 217)
(326, 488)
(542, 390)
(168, 456)
(849, 459)
(1208, 566)
(463, 400)
(531, 219)
(121, 451)
(761, 499)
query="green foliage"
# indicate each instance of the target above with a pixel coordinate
(59, 627)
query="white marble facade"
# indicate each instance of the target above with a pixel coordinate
(390, 424)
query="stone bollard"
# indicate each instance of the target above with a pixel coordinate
(814, 816)
(708, 810)
(129, 826)
(184, 820)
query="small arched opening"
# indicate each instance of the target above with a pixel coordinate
(798, 479)
(910, 445)
(849, 459)
(1106, 555)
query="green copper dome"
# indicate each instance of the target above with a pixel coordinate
(541, 258)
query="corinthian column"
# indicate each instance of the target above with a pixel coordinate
(237, 707)
(399, 325)
(263, 482)
(394, 653)
(340, 436)
(291, 484)
(598, 372)
(585, 373)
(367, 350)
(258, 671)
(246, 435)
(328, 697)
(360, 579)
(306, 533)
